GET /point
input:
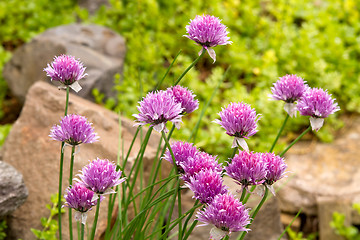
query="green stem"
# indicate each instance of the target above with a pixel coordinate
(61, 167)
(179, 213)
(295, 141)
(279, 133)
(60, 187)
(92, 236)
(226, 237)
(190, 215)
(82, 231)
(289, 225)
(242, 235)
(189, 67)
(167, 71)
(190, 229)
(243, 193)
(70, 183)
(67, 100)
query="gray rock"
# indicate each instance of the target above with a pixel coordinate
(100, 49)
(92, 5)
(32, 152)
(13, 191)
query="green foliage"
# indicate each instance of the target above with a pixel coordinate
(338, 224)
(50, 225)
(300, 236)
(3, 227)
(4, 131)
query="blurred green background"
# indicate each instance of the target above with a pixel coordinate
(315, 39)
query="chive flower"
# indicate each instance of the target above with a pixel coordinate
(247, 168)
(207, 31)
(66, 70)
(239, 120)
(100, 175)
(201, 161)
(206, 184)
(275, 169)
(80, 199)
(74, 130)
(318, 104)
(157, 108)
(289, 89)
(227, 214)
(182, 151)
(185, 97)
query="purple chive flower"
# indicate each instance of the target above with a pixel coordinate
(74, 130)
(100, 176)
(185, 97)
(206, 184)
(239, 120)
(275, 169)
(79, 198)
(200, 161)
(290, 89)
(182, 151)
(227, 214)
(67, 70)
(207, 31)
(157, 108)
(317, 104)
(247, 168)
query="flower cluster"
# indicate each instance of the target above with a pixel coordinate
(157, 108)
(185, 97)
(253, 168)
(207, 31)
(66, 70)
(317, 104)
(289, 89)
(239, 120)
(298, 96)
(80, 199)
(227, 214)
(74, 130)
(247, 168)
(100, 176)
(202, 175)
(96, 179)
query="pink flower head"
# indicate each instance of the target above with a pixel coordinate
(200, 161)
(81, 199)
(239, 120)
(74, 130)
(182, 151)
(247, 168)
(100, 175)
(206, 184)
(207, 31)
(227, 214)
(275, 169)
(67, 70)
(317, 104)
(157, 108)
(289, 88)
(185, 97)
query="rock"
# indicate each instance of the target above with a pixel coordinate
(13, 191)
(31, 151)
(326, 207)
(92, 6)
(100, 49)
(322, 170)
